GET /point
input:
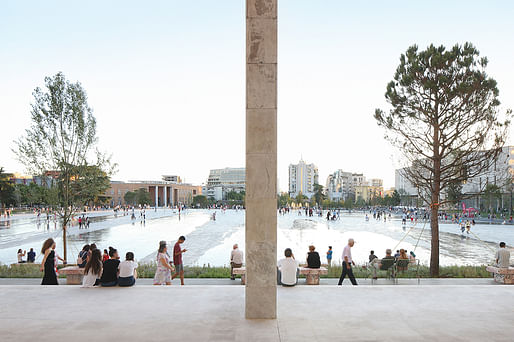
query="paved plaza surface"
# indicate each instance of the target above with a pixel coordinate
(301, 281)
(216, 313)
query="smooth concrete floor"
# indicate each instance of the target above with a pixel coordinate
(216, 313)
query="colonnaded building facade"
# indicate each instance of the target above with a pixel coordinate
(170, 191)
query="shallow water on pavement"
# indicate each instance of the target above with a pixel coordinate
(210, 242)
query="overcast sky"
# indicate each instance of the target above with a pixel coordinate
(166, 79)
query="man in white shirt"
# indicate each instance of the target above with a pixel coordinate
(288, 269)
(347, 263)
(503, 256)
(236, 260)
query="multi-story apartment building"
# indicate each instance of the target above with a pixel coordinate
(339, 186)
(223, 181)
(499, 173)
(302, 178)
(352, 186)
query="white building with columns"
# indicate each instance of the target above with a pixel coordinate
(302, 178)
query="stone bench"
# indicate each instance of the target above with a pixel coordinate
(502, 275)
(312, 274)
(241, 271)
(73, 274)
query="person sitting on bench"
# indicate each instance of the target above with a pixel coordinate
(402, 262)
(502, 256)
(287, 269)
(313, 260)
(387, 262)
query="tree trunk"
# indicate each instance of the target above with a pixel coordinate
(65, 253)
(436, 189)
(434, 247)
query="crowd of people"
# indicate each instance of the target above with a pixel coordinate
(107, 270)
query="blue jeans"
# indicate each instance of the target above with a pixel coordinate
(126, 281)
(109, 283)
(279, 277)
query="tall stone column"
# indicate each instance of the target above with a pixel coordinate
(261, 159)
(156, 197)
(165, 198)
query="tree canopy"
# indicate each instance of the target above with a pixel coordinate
(62, 140)
(444, 120)
(6, 188)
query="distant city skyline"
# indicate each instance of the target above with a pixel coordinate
(166, 80)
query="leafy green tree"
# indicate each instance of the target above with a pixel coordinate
(130, 197)
(143, 197)
(348, 204)
(6, 189)
(454, 193)
(284, 199)
(235, 196)
(319, 195)
(395, 198)
(300, 198)
(201, 201)
(360, 202)
(492, 193)
(89, 183)
(444, 119)
(61, 139)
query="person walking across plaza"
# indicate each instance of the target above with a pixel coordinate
(177, 259)
(347, 263)
(236, 260)
(164, 268)
(48, 263)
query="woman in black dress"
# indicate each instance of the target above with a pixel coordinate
(48, 263)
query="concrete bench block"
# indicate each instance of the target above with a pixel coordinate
(241, 271)
(312, 274)
(502, 275)
(73, 274)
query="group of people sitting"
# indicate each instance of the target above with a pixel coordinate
(401, 260)
(288, 267)
(107, 272)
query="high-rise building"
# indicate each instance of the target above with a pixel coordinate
(302, 178)
(223, 181)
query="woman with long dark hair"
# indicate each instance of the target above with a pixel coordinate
(48, 263)
(164, 269)
(93, 269)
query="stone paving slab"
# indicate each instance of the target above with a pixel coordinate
(216, 313)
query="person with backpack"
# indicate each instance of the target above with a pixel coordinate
(83, 254)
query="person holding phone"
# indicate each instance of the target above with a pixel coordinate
(177, 259)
